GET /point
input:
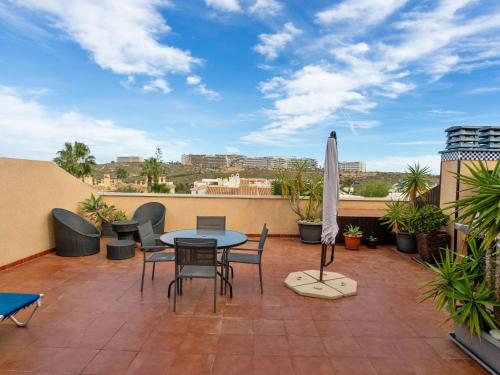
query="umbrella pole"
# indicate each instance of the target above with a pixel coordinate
(324, 247)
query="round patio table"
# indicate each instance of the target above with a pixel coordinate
(225, 238)
(125, 229)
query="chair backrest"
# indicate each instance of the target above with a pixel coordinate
(211, 222)
(74, 221)
(146, 234)
(263, 236)
(151, 211)
(196, 252)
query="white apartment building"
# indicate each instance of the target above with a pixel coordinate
(352, 166)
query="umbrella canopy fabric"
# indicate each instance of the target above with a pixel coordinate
(330, 192)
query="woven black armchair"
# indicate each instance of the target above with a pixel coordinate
(74, 235)
(153, 212)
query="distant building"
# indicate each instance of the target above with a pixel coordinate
(275, 162)
(209, 161)
(233, 185)
(225, 161)
(352, 166)
(129, 159)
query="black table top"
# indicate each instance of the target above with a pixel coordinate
(225, 238)
(125, 222)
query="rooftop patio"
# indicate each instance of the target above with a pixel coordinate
(94, 320)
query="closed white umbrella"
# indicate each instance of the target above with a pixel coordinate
(330, 192)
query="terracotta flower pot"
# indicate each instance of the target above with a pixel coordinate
(352, 243)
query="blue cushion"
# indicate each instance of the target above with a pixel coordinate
(10, 303)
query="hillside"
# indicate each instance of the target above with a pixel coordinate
(183, 176)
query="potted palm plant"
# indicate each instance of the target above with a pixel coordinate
(101, 214)
(305, 193)
(469, 285)
(399, 217)
(428, 223)
(352, 237)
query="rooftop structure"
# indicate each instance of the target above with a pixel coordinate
(470, 138)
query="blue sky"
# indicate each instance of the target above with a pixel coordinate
(257, 77)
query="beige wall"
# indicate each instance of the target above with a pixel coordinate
(245, 214)
(449, 189)
(28, 192)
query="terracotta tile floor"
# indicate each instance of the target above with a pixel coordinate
(95, 321)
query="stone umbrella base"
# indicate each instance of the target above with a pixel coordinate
(334, 285)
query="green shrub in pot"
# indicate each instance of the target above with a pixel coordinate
(304, 191)
(427, 223)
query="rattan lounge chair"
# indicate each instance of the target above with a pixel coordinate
(153, 212)
(74, 235)
(12, 303)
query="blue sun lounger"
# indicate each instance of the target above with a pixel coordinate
(12, 303)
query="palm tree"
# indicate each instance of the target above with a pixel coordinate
(151, 169)
(415, 182)
(121, 173)
(75, 159)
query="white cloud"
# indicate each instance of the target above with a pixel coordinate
(362, 12)
(232, 150)
(157, 85)
(207, 93)
(193, 80)
(399, 163)
(351, 76)
(418, 143)
(224, 5)
(445, 112)
(266, 7)
(272, 44)
(483, 90)
(121, 36)
(201, 88)
(31, 130)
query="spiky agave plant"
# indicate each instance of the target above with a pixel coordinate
(415, 182)
(480, 210)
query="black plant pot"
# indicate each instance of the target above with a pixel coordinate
(371, 244)
(407, 243)
(107, 229)
(310, 232)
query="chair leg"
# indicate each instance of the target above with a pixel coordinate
(18, 323)
(153, 274)
(232, 271)
(260, 277)
(169, 286)
(143, 271)
(175, 294)
(215, 294)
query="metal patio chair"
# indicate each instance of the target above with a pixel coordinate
(248, 255)
(152, 249)
(196, 258)
(211, 222)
